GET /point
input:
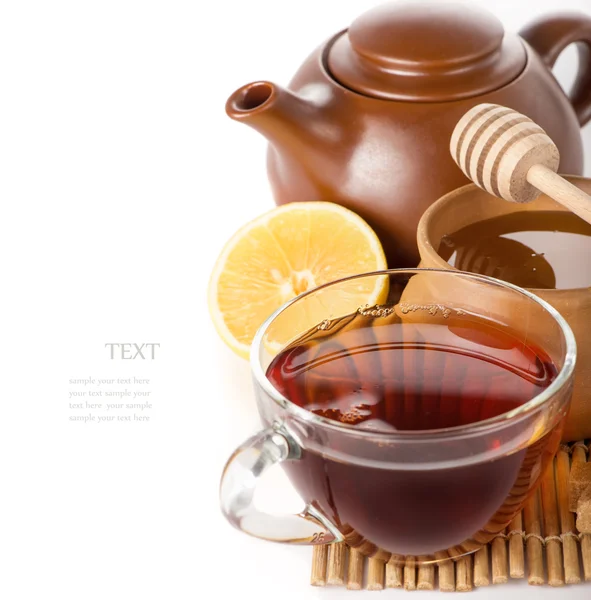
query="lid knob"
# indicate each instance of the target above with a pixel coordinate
(431, 51)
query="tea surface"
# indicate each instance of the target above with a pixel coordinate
(543, 250)
(383, 374)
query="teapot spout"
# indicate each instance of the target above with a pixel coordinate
(288, 121)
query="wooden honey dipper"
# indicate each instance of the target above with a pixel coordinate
(508, 155)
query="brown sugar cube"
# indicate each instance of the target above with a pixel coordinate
(584, 511)
(580, 478)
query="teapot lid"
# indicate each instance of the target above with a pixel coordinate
(425, 52)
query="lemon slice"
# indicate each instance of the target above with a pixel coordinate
(287, 251)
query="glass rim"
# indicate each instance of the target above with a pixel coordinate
(513, 415)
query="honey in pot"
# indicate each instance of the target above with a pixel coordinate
(537, 250)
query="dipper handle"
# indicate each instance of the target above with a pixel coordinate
(561, 190)
(509, 156)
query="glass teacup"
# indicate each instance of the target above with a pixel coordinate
(388, 486)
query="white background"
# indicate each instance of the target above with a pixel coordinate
(120, 180)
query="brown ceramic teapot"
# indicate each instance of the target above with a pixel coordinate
(367, 119)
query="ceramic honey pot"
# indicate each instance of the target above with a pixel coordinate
(470, 204)
(366, 120)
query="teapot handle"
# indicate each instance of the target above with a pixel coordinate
(549, 36)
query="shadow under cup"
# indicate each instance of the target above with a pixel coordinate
(422, 495)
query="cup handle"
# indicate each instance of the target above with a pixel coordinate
(549, 36)
(239, 479)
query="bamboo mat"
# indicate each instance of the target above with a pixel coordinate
(541, 544)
